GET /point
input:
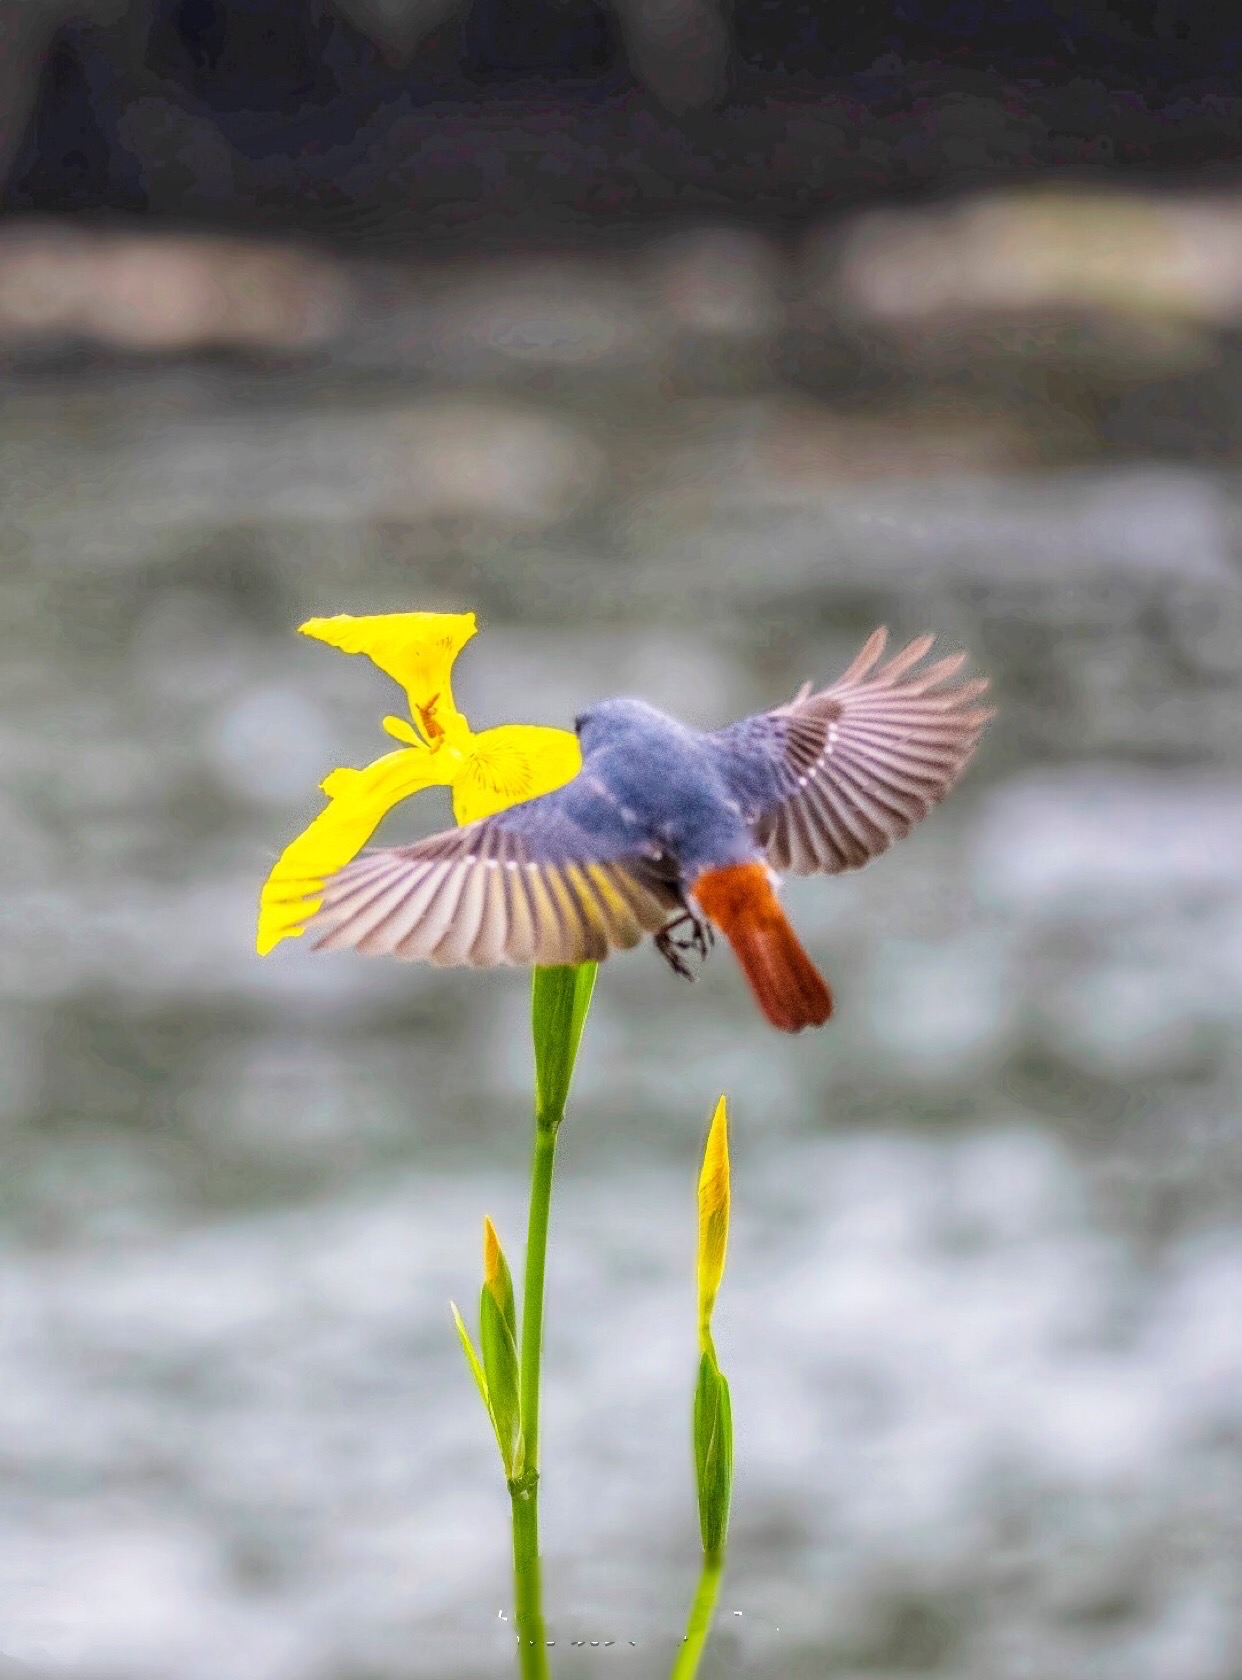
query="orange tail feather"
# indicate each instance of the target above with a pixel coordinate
(790, 989)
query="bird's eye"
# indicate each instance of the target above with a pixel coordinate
(578, 722)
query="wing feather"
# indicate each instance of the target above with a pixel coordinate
(548, 919)
(535, 884)
(488, 948)
(424, 937)
(521, 938)
(372, 901)
(405, 912)
(590, 908)
(584, 918)
(465, 918)
(853, 767)
(562, 938)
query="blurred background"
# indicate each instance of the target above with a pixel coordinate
(684, 342)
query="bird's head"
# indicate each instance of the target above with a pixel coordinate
(607, 721)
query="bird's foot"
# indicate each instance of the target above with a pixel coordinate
(687, 933)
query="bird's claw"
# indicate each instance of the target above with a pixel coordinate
(699, 936)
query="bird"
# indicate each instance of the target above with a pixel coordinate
(677, 832)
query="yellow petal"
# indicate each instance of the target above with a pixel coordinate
(517, 761)
(415, 649)
(497, 1278)
(492, 1259)
(358, 800)
(713, 1214)
(400, 730)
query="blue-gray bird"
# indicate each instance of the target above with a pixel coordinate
(673, 831)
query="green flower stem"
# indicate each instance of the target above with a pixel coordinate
(528, 1585)
(560, 999)
(524, 1491)
(701, 1613)
(532, 1293)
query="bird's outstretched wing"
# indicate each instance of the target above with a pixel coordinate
(555, 880)
(848, 770)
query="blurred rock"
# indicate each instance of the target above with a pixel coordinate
(166, 294)
(548, 312)
(719, 283)
(1177, 257)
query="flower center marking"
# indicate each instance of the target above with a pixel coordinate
(427, 717)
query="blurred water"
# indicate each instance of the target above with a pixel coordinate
(982, 1313)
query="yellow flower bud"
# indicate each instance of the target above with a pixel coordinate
(713, 1217)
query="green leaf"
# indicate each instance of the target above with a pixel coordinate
(713, 1453)
(500, 1369)
(560, 999)
(472, 1358)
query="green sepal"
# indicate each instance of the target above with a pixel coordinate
(500, 1370)
(713, 1453)
(560, 999)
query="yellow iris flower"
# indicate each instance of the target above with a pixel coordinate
(487, 772)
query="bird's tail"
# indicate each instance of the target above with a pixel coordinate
(739, 899)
